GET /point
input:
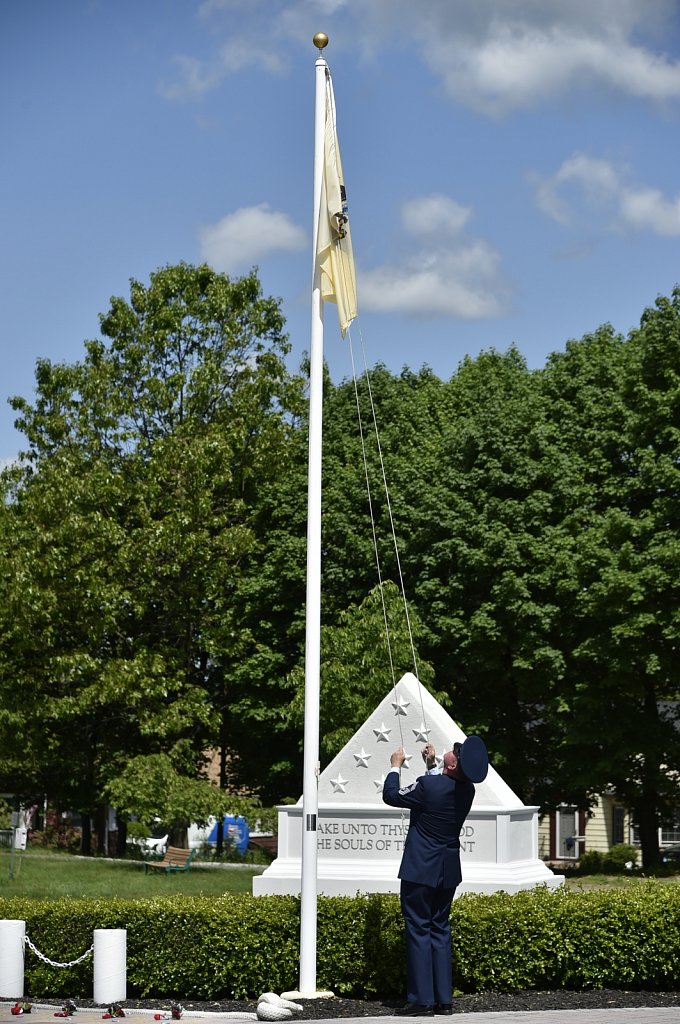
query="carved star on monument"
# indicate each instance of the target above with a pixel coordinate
(382, 734)
(422, 733)
(379, 782)
(361, 759)
(400, 705)
(407, 761)
(339, 783)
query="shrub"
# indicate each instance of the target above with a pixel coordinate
(5, 814)
(239, 946)
(57, 837)
(590, 863)
(619, 857)
(543, 939)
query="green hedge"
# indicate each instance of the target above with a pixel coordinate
(239, 946)
(577, 940)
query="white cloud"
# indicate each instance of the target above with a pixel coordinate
(517, 65)
(492, 55)
(245, 236)
(247, 41)
(498, 55)
(586, 185)
(450, 275)
(433, 216)
(598, 180)
(237, 54)
(648, 210)
(193, 79)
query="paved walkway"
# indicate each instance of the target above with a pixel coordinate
(658, 1015)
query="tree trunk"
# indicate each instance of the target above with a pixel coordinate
(219, 848)
(86, 835)
(121, 838)
(647, 810)
(100, 818)
(646, 817)
(179, 835)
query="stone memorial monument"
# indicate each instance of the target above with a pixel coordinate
(360, 838)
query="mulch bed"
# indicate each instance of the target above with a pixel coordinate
(481, 1002)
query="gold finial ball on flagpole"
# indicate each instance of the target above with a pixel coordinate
(320, 40)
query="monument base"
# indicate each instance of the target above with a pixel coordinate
(360, 852)
(337, 880)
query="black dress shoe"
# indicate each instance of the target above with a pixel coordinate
(443, 1009)
(414, 1010)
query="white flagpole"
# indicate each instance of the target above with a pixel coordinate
(310, 784)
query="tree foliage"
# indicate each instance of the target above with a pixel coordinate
(372, 644)
(129, 526)
(153, 579)
(616, 402)
(150, 789)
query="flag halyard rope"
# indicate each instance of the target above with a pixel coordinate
(374, 532)
(388, 503)
(334, 265)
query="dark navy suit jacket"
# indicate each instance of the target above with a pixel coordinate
(439, 806)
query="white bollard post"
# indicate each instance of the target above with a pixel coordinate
(12, 935)
(110, 965)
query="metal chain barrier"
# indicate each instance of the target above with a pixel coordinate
(54, 963)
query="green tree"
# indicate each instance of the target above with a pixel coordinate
(616, 403)
(151, 789)
(129, 527)
(271, 590)
(362, 657)
(379, 439)
(486, 506)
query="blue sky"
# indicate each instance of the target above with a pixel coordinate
(512, 166)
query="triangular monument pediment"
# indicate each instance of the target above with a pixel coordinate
(360, 839)
(409, 716)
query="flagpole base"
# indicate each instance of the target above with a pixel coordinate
(308, 995)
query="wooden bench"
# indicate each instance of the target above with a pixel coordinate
(173, 860)
(269, 844)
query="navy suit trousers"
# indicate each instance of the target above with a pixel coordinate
(426, 912)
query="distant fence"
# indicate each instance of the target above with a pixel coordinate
(6, 837)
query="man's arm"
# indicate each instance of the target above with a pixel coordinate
(408, 796)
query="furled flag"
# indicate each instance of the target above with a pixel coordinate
(334, 243)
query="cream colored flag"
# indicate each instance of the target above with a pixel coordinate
(334, 242)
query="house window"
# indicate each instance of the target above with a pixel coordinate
(618, 821)
(566, 821)
(670, 833)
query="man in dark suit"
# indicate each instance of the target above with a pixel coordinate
(439, 803)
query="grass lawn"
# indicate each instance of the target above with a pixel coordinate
(587, 882)
(44, 876)
(41, 877)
